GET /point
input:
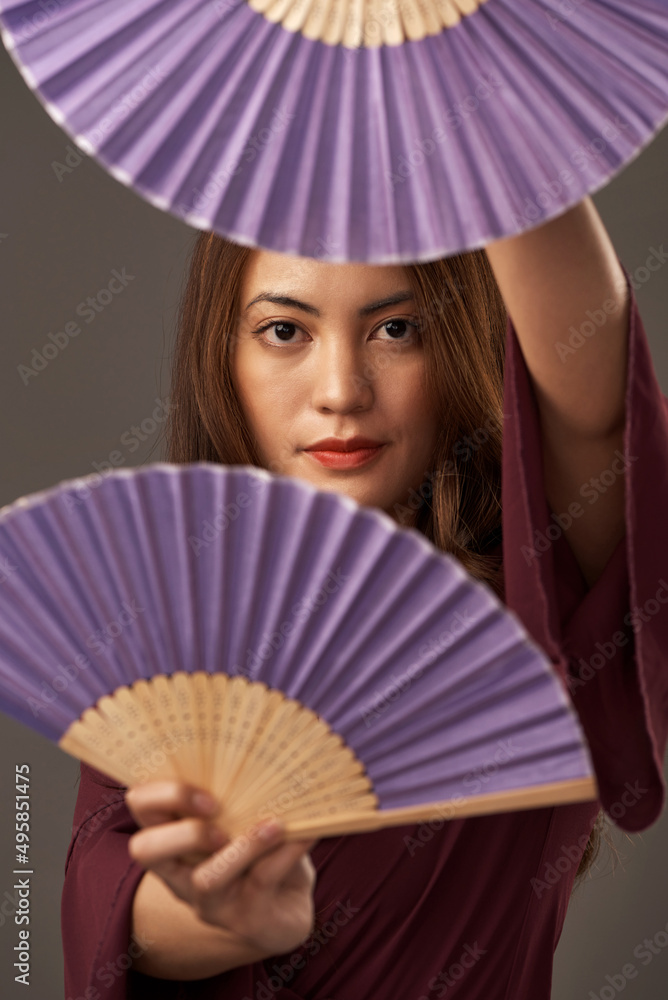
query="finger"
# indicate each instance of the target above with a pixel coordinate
(161, 801)
(236, 857)
(273, 869)
(170, 841)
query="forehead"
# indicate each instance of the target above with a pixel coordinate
(266, 271)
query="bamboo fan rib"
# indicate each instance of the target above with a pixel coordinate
(354, 23)
(288, 650)
(259, 753)
(384, 131)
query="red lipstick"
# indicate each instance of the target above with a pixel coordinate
(345, 453)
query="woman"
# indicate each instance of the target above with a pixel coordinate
(276, 355)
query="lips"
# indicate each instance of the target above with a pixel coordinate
(344, 444)
(337, 453)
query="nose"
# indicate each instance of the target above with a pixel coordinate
(342, 378)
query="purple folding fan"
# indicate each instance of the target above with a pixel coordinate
(286, 649)
(375, 130)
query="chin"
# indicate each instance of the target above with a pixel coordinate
(362, 492)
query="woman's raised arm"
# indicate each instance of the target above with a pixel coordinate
(568, 299)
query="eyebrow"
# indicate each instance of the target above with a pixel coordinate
(287, 300)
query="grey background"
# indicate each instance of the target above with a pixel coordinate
(59, 241)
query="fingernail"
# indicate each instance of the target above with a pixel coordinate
(268, 830)
(205, 803)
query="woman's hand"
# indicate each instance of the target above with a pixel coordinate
(256, 887)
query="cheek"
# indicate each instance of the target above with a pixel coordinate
(268, 399)
(252, 379)
(405, 390)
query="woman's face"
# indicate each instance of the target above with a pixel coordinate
(339, 356)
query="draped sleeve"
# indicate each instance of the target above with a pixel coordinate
(96, 913)
(609, 644)
(100, 882)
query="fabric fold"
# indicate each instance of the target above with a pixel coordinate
(610, 643)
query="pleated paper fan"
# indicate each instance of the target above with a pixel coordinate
(375, 130)
(292, 652)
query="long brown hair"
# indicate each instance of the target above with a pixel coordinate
(462, 320)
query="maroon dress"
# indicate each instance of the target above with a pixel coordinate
(469, 909)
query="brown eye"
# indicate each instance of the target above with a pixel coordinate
(284, 331)
(399, 329)
(278, 333)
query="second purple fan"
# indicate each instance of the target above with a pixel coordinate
(283, 647)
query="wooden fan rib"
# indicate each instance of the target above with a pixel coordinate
(314, 740)
(183, 693)
(366, 23)
(300, 735)
(556, 793)
(306, 787)
(203, 742)
(255, 707)
(231, 690)
(343, 796)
